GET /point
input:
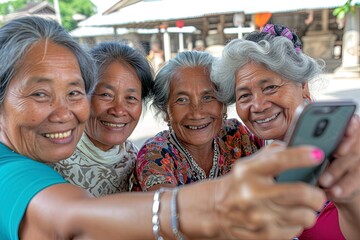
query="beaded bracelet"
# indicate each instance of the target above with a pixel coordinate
(155, 213)
(175, 216)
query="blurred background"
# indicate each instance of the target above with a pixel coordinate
(329, 30)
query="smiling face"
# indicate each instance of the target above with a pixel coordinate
(265, 101)
(45, 106)
(115, 106)
(194, 112)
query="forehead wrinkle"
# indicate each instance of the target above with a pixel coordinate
(45, 49)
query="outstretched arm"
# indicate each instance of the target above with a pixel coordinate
(246, 204)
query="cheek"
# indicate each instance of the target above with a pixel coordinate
(176, 114)
(29, 117)
(241, 111)
(98, 107)
(82, 111)
(136, 112)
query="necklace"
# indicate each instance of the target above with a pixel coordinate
(198, 172)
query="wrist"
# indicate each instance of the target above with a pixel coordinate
(196, 210)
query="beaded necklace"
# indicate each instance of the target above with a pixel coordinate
(198, 172)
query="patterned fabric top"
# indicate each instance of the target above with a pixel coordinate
(160, 162)
(99, 172)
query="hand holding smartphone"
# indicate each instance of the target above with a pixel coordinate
(320, 124)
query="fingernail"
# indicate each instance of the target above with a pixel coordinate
(326, 180)
(317, 154)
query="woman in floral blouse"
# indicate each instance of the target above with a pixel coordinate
(200, 143)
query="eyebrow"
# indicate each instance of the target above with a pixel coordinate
(111, 87)
(76, 82)
(206, 91)
(261, 82)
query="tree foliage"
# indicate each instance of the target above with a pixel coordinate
(11, 6)
(348, 7)
(68, 8)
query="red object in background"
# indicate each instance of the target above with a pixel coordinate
(262, 18)
(180, 23)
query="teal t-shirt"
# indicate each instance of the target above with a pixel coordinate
(21, 178)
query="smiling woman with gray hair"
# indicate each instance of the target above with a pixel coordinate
(267, 76)
(201, 142)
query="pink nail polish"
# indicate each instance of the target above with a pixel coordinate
(317, 154)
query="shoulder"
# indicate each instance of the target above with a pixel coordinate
(236, 136)
(130, 147)
(160, 140)
(157, 148)
(31, 175)
(233, 126)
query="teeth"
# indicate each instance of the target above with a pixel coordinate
(267, 119)
(197, 127)
(113, 124)
(58, 135)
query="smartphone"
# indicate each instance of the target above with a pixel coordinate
(322, 124)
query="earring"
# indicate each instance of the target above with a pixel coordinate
(169, 126)
(225, 116)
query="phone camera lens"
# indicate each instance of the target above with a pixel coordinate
(320, 127)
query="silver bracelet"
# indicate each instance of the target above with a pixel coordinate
(155, 213)
(175, 216)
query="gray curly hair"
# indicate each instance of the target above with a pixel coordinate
(275, 53)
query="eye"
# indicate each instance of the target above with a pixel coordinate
(133, 99)
(271, 89)
(103, 95)
(208, 98)
(181, 100)
(39, 94)
(244, 97)
(76, 94)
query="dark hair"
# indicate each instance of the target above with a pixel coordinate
(16, 38)
(108, 52)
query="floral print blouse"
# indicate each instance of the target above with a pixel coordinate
(160, 162)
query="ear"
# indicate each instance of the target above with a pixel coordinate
(306, 91)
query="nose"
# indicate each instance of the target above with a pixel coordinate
(260, 103)
(196, 110)
(61, 113)
(118, 108)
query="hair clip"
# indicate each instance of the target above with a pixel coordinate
(278, 30)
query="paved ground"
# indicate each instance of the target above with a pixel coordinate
(327, 88)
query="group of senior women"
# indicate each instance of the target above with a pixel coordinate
(46, 82)
(268, 77)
